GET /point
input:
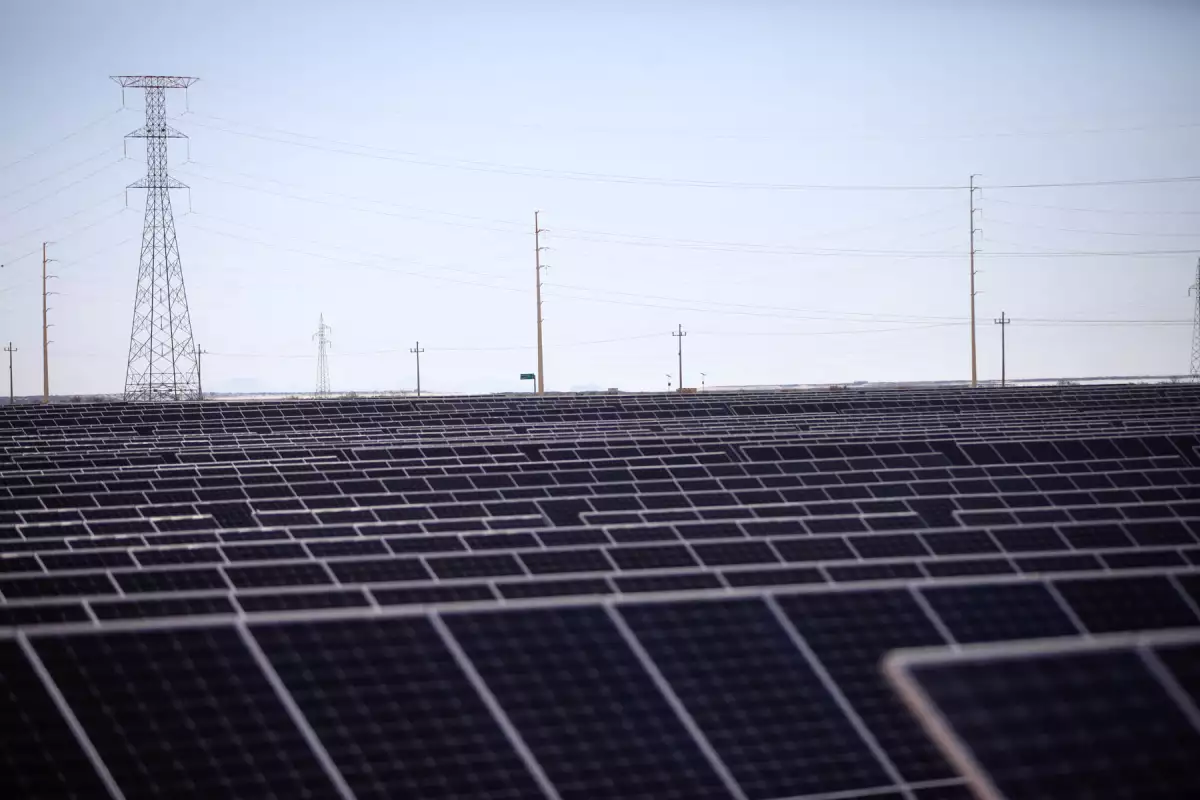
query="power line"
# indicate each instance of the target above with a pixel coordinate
(609, 237)
(791, 136)
(351, 262)
(409, 157)
(62, 171)
(1092, 231)
(1138, 212)
(1086, 184)
(72, 215)
(61, 189)
(106, 115)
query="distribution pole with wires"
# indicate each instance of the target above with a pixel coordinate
(46, 326)
(417, 352)
(1003, 322)
(971, 189)
(323, 342)
(1195, 373)
(538, 267)
(162, 358)
(11, 397)
(199, 373)
(679, 335)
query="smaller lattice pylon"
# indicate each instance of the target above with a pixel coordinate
(323, 342)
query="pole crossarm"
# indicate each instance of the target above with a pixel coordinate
(153, 81)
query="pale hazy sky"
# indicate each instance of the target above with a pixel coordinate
(379, 162)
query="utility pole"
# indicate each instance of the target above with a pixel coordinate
(679, 335)
(10, 350)
(322, 337)
(199, 375)
(1196, 326)
(417, 350)
(1003, 322)
(972, 188)
(537, 261)
(46, 326)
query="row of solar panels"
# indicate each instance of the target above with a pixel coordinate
(224, 416)
(73, 452)
(807, 457)
(940, 461)
(1102, 490)
(769, 695)
(501, 466)
(771, 400)
(187, 581)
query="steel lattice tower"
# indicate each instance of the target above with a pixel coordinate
(323, 342)
(1195, 373)
(162, 357)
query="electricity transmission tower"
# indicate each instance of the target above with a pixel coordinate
(162, 357)
(1195, 373)
(323, 342)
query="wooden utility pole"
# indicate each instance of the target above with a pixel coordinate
(679, 335)
(10, 350)
(45, 331)
(417, 350)
(199, 373)
(1003, 322)
(537, 261)
(972, 188)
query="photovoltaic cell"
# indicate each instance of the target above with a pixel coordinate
(755, 697)
(183, 713)
(396, 714)
(587, 709)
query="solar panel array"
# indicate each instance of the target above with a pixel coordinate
(614, 596)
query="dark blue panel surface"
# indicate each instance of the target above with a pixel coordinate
(850, 632)
(1061, 726)
(755, 697)
(183, 713)
(587, 709)
(39, 755)
(396, 714)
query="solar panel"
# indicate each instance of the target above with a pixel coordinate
(584, 704)
(395, 712)
(755, 698)
(40, 756)
(1069, 718)
(185, 713)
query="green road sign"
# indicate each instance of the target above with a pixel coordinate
(527, 376)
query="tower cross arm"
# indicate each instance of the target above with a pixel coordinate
(153, 81)
(159, 132)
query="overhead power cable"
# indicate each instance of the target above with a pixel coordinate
(403, 156)
(106, 115)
